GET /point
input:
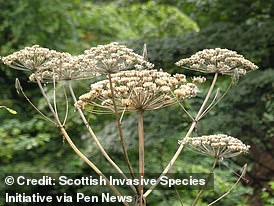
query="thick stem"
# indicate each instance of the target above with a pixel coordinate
(95, 138)
(83, 157)
(192, 127)
(119, 124)
(76, 150)
(207, 180)
(141, 154)
(171, 162)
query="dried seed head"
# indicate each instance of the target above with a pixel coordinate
(136, 90)
(198, 80)
(29, 58)
(68, 67)
(219, 145)
(113, 57)
(218, 60)
(48, 64)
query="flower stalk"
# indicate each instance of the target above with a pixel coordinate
(138, 90)
(96, 140)
(206, 182)
(73, 146)
(119, 125)
(182, 145)
(141, 154)
(233, 186)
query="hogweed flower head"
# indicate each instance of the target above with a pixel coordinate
(219, 146)
(198, 80)
(139, 90)
(113, 57)
(218, 60)
(46, 64)
(30, 58)
(66, 67)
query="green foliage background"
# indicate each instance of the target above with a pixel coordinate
(172, 30)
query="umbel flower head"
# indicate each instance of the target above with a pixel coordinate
(30, 58)
(66, 67)
(48, 64)
(218, 60)
(219, 146)
(139, 90)
(113, 57)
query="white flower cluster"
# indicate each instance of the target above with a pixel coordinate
(219, 145)
(49, 64)
(139, 90)
(218, 60)
(113, 57)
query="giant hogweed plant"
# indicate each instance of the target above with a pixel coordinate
(132, 84)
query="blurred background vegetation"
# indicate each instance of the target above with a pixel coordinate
(172, 30)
